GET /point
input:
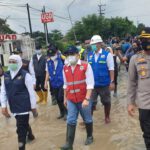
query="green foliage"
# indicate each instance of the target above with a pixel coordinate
(106, 27)
(4, 27)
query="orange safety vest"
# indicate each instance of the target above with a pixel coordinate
(76, 82)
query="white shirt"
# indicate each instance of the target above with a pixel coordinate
(109, 60)
(89, 76)
(32, 72)
(29, 85)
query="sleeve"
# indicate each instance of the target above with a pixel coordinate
(89, 77)
(65, 82)
(110, 61)
(46, 67)
(29, 85)
(3, 96)
(132, 82)
(31, 70)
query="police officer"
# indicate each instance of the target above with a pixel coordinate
(55, 72)
(78, 85)
(39, 63)
(139, 84)
(102, 64)
(17, 89)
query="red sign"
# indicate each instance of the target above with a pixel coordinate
(4, 37)
(47, 17)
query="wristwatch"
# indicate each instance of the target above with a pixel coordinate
(87, 99)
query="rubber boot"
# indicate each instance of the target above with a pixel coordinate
(107, 113)
(22, 146)
(69, 137)
(30, 136)
(45, 94)
(89, 131)
(61, 109)
(40, 95)
(115, 91)
(54, 101)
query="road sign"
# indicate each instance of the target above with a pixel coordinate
(47, 17)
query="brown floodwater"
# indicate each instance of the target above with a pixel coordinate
(123, 133)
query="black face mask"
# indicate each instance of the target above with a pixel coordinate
(145, 45)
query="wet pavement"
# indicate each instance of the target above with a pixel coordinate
(123, 133)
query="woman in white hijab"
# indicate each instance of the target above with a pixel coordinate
(17, 90)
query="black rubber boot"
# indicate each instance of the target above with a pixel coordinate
(89, 130)
(30, 136)
(107, 113)
(22, 145)
(61, 109)
(69, 138)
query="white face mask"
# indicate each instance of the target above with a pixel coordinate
(72, 60)
(53, 58)
(38, 52)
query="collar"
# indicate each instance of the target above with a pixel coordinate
(99, 52)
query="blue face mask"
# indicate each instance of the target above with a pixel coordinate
(94, 48)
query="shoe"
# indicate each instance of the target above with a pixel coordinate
(30, 136)
(69, 138)
(40, 95)
(89, 131)
(89, 140)
(60, 116)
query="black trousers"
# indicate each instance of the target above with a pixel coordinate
(144, 117)
(22, 123)
(40, 81)
(59, 94)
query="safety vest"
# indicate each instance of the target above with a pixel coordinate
(76, 82)
(100, 69)
(56, 73)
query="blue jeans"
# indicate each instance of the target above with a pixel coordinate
(73, 112)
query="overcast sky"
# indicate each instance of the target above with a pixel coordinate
(136, 10)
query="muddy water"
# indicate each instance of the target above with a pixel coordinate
(122, 134)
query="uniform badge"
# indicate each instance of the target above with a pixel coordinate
(103, 56)
(81, 67)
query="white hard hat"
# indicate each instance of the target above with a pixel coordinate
(96, 39)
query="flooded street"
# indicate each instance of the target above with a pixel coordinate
(122, 134)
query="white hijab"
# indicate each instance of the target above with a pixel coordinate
(18, 59)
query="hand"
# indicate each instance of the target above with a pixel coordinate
(5, 113)
(124, 59)
(46, 85)
(111, 86)
(131, 110)
(35, 113)
(65, 102)
(85, 103)
(34, 86)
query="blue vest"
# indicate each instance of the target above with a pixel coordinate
(56, 75)
(17, 93)
(100, 69)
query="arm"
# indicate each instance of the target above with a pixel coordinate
(29, 86)
(31, 71)
(110, 64)
(65, 87)
(4, 99)
(90, 85)
(132, 86)
(46, 78)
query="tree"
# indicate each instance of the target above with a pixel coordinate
(106, 27)
(4, 27)
(140, 27)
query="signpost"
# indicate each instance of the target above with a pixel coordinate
(47, 17)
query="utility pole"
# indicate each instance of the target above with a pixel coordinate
(29, 18)
(101, 9)
(45, 28)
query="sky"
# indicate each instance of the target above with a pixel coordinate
(136, 10)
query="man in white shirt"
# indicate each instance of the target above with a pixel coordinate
(78, 85)
(102, 64)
